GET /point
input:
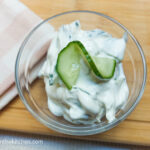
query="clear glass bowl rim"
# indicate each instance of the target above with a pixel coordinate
(75, 131)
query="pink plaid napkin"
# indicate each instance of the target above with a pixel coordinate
(16, 21)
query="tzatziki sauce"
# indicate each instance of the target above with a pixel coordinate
(90, 99)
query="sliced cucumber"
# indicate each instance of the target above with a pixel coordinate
(105, 66)
(68, 65)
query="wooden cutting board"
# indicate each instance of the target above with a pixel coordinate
(135, 15)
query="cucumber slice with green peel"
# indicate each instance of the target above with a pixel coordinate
(105, 66)
(68, 65)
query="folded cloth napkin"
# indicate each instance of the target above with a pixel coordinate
(16, 21)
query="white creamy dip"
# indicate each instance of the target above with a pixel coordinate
(90, 99)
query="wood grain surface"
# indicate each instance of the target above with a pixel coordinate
(135, 15)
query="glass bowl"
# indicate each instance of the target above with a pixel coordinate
(32, 54)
